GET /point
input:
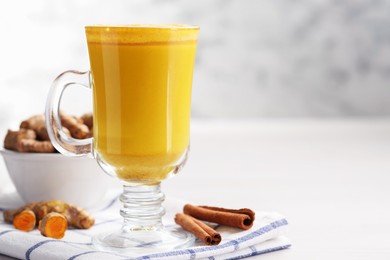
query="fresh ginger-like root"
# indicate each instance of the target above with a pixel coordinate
(24, 141)
(13, 138)
(37, 146)
(76, 216)
(37, 123)
(76, 127)
(53, 225)
(66, 131)
(25, 220)
(90, 133)
(9, 215)
(88, 120)
(33, 136)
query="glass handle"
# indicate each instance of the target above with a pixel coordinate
(61, 141)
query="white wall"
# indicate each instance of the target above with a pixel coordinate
(256, 58)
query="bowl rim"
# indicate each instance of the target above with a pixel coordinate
(6, 153)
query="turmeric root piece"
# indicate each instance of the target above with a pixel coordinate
(37, 123)
(33, 136)
(88, 120)
(76, 216)
(76, 127)
(37, 146)
(24, 140)
(90, 133)
(10, 214)
(25, 220)
(13, 138)
(53, 225)
(66, 131)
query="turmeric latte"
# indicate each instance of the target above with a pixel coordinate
(141, 80)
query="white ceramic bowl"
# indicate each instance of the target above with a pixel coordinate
(46, 176)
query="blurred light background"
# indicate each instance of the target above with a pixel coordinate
(256, 58)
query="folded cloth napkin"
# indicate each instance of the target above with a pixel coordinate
(266, 235)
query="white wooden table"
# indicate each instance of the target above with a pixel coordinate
(330, 178)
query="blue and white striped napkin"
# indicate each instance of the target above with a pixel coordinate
(266, 235)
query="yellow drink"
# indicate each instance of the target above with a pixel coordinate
(141, 80)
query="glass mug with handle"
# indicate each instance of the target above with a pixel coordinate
(141, 80)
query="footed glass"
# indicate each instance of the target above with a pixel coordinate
(141, 80)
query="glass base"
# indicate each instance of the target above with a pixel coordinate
(141, 242)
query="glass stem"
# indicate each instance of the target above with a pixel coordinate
(142, 207)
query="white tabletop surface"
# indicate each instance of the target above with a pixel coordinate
(330, 178)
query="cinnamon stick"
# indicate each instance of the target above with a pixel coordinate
(240, 218)
(205, 233)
